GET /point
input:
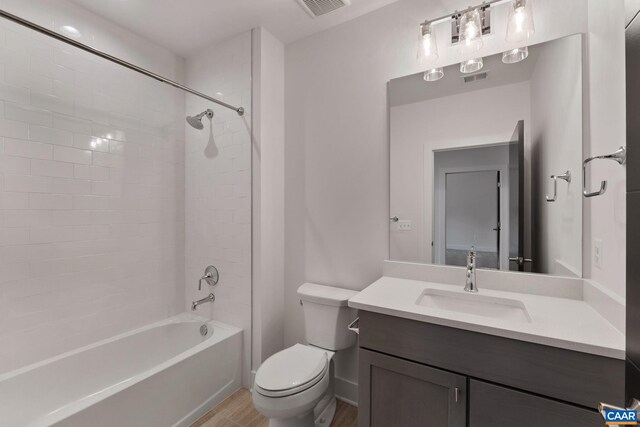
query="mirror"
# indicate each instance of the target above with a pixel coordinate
(491, 160)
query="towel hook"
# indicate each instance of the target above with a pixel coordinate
(619, 156)
(566, 177)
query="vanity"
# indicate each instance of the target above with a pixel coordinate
(527, 358)
(486, 178)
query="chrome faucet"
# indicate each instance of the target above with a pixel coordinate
(211, 276)
(210, 298)
(470, 285)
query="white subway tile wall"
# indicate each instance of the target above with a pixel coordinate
(218, 185)
(91, 191)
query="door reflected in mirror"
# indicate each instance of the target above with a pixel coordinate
(472, 159)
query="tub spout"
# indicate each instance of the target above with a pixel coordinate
(210, 298)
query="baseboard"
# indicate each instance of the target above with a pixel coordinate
(347, 391)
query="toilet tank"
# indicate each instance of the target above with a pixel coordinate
(327, 315)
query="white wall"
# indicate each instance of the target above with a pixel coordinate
(218, 185)
(268, 196)
(437, 124)
(605, 216)
(91, 185)
(337, 190)
(556, 114)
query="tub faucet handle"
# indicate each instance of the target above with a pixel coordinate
(211, 276)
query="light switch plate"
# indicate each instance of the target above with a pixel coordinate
(597, 252)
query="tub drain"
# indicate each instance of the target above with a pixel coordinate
(204, 330)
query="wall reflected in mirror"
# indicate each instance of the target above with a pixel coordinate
(472, 160)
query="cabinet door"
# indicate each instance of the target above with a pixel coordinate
(491, 406)
(396, 392)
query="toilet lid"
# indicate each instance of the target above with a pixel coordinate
(291, 368)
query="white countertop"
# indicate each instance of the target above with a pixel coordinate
(566, 323)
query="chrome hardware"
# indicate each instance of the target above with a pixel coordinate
(210, 298)
(520, 260)
(566, 177)
(456, 392)
(470, 285)
(619, 156)
(354, 326)
(211, 276)
(602, 407)
(394, 219)
(204, 330)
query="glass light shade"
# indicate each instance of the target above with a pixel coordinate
(433, 75)
(471, 66)
(470, 32)
(520, 25)
(515, 55)
(427, 45)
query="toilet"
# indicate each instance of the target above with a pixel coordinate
(294, 387)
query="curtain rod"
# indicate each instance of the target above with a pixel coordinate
(114, 59)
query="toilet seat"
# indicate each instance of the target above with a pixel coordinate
(291, 371)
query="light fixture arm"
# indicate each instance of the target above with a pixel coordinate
(457, 14)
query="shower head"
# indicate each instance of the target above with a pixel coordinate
(196, 121)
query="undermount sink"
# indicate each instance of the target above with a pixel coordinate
(475, 304)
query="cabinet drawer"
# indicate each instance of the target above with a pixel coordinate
(491, 405)
(399, 393)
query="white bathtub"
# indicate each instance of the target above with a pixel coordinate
(164, 374)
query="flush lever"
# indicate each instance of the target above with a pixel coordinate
(211, 276)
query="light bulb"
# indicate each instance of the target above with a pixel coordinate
(433, 75)
(471, 65)
(470, 32)
(515, 55)
(427, 45)
(520, 25)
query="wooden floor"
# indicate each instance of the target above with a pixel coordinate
(238, 411)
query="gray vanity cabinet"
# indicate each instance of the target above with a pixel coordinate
(419, 374)
(403, 393)
(491, 405)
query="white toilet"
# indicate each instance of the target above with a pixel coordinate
(294, 387)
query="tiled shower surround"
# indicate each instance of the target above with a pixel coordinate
(218, 185)
(92, 194)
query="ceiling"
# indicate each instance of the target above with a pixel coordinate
(185, 26)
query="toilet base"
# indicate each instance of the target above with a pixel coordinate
(324, 414)
(305, 420)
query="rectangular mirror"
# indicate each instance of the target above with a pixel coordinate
(491, 160)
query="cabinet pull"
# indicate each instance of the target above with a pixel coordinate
(456, 392)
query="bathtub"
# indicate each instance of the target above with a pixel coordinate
(163, 374)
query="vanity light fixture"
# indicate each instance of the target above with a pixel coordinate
(470, 25)
(471, 65)
(520, 25)
(515, 55)
(427, 45)
(433, 75)
(468, 28)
